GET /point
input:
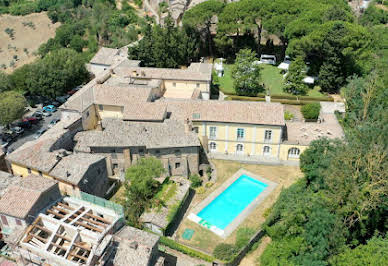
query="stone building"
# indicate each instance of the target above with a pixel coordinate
(172, 143)
(22, 201)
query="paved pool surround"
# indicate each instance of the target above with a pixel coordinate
(224, 233)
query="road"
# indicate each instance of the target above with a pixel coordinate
(28, 134)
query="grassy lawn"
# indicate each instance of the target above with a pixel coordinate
(204, 239)
(270, 76)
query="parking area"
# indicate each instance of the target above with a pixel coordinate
(29, 133)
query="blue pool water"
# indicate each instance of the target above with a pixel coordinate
(232, 201)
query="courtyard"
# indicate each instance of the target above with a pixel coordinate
(271, 77)
(205, 240)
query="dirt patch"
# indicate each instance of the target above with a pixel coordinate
(383, 7)
(295, 110)
(253, 257)
(29, 32)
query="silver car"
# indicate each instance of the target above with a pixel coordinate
(39, 133)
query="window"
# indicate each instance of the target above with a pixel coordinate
(197, 85)
(213, 146)
(195, 129)
(4, 220)
(213, 132)
(177, 165)
(266, 150)
(115, 166)
(18, 222)
(174, 84)
(87, 114)
(157, 152)
(98, 171)
(40, 173)
(29, 170)
(239, 148)
(141, 150)
(268, 135)
(196, 116)
(240, 133)
(293, 153)
(100, 107)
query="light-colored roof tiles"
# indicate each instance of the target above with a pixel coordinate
(19, 198)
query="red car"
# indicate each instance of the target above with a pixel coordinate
(71, 92)
(31, 120)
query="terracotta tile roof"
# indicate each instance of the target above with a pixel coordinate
(120, 95)
(155, 111)
(72, 168)
(105, 56)
(142, 245)
(150, 134)
(227, 111)
(190, 74)
(6, 180)
(19, 198)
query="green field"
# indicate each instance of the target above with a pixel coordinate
(270, 76)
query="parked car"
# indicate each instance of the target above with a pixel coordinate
(18, 130)
(71, 92)
(49, 108)
(53, 122)
(33, 120)
(8, 136)
(62, 99)
(46, 114)
(56, 104)
(24, 124)
(38, 115)
(3, 144)
(39, 133)
(268, 59)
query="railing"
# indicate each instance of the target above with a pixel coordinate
(117, 208)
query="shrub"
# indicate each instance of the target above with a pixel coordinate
(173, 211)
(184, 249)
(311, 110)
(196, 181)
(21, 9)
(288, 115)
(209, 184)
(200, 190)
(225, 251)
(243, 236)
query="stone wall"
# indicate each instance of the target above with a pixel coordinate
(182, 161)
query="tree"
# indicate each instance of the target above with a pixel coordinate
(140, 187)
(12, 107)
(200, 17)
(294, 80)
(334, 53)
(5, 83)
(375, 252)
(246, 73)
(166, 46)
(57, 73)
(311, 110)
(77, 43)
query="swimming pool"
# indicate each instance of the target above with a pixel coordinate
(232, 201)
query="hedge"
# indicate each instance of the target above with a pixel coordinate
(186, 250)
(286, 97)
(258, 99)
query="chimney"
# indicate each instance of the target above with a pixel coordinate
(188, 126)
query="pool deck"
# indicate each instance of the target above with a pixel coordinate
(241, 217)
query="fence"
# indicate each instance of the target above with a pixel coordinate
(117, 208)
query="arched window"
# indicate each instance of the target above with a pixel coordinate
(293, 152)
(239, 148)
(266, 150)
(213, 146)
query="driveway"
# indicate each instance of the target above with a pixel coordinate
(28, 134)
